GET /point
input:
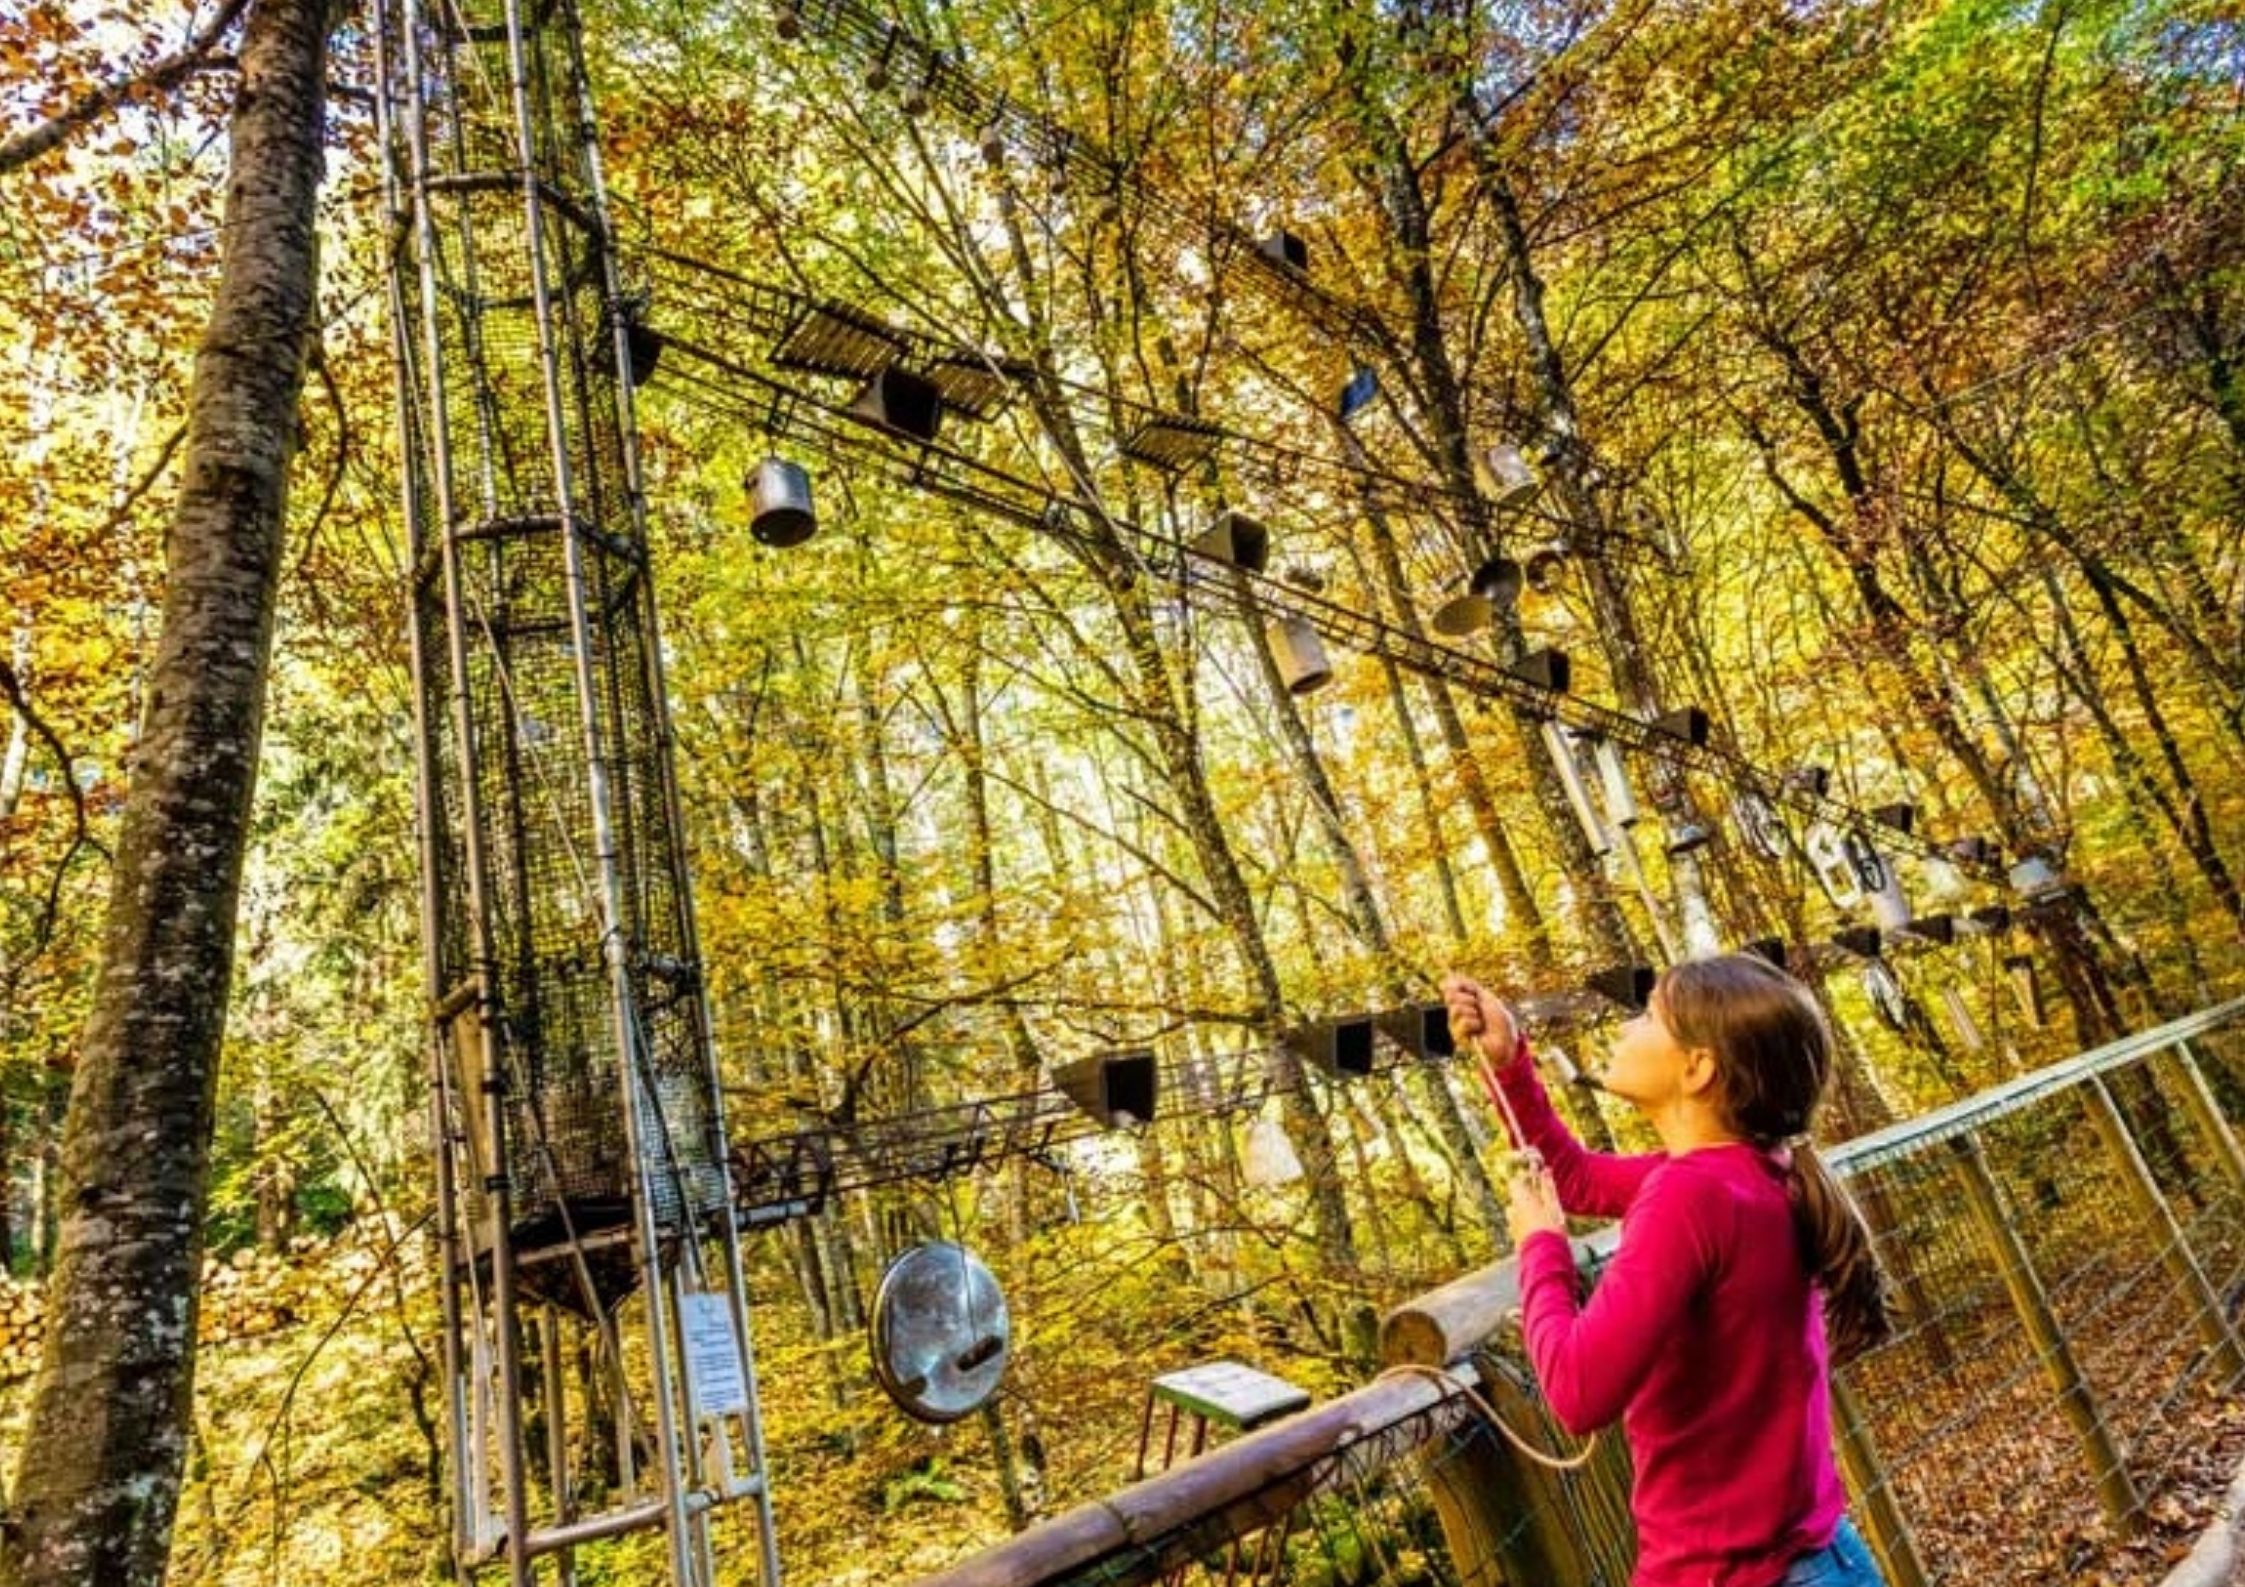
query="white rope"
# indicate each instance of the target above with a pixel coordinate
(1489, 1413)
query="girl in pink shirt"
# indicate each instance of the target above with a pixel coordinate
(1739, 1255)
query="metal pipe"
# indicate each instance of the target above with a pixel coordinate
(600, 805)
(426, 808)
(498, 1200)
(733, 1267)
(557, 1441)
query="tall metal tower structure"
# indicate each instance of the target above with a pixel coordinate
(597, 1355)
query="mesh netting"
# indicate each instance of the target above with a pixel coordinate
(520, 471)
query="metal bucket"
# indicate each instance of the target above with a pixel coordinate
(781, 511)
(1512, 482)
(1300, 655)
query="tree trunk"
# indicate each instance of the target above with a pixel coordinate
(16, 758)
(1430, 814)
(99, 1480)
(1160, 699)
(7, 1186)
(1571, 467)
(1520, 907)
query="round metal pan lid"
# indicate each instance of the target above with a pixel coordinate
(940, 1334)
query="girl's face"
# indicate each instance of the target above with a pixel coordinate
(1650, 1067)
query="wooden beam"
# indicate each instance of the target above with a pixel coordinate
(1451, 1323)
(2164, 1229)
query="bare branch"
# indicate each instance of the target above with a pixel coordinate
(197, 55)
(11, 687)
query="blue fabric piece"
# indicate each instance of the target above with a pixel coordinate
(1357, 395)
(1845, 1562)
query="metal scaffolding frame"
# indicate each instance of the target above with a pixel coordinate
(598, 1361)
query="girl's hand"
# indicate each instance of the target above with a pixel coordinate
(1535, 1201)
(1475, 1014)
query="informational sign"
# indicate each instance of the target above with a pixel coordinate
(713, 1355)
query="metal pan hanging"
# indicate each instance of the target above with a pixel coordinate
(940, 1332)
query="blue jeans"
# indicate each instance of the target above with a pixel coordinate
(1844, 1562)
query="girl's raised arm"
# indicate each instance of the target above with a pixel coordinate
(1591, 1184)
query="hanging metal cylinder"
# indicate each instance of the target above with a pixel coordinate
(1560, 745)
(1760, 826)
(1300, 655)
(1881, 882)
(2026, 988)
(1613, 783)
(1967, 1029)
(781, 510)
(1888, 1000)
(1512, 482)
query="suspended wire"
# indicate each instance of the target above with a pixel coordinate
(944, 80)
(744, 392)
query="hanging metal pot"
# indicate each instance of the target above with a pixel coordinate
(1300, 655)
(1512, 482)
(1544, 566)
(1493, 588)
(781, 511)
(1888, 1000)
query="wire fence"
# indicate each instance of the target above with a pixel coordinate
(2068, 1257)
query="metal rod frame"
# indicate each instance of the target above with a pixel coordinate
(441, 78)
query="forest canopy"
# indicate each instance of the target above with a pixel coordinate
(1868, 378)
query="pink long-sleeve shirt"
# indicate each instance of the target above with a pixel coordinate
(1705, 1335)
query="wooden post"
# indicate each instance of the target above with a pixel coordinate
(2162, 1225)
(1451, 1323)
(2206, 1113)
(1888, 1533)
(1505, 1519)
(2116, 1490)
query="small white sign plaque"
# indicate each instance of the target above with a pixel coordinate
(713, 1355)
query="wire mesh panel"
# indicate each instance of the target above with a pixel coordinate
(578, 1138)
(536, 621)
(2061, 1324)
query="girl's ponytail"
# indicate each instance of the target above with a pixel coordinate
(1836, 1247)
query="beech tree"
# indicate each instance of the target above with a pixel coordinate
(98, 1479)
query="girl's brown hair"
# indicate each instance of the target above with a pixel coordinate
(1773, 1060)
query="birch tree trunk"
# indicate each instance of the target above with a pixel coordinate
(99, 1477)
